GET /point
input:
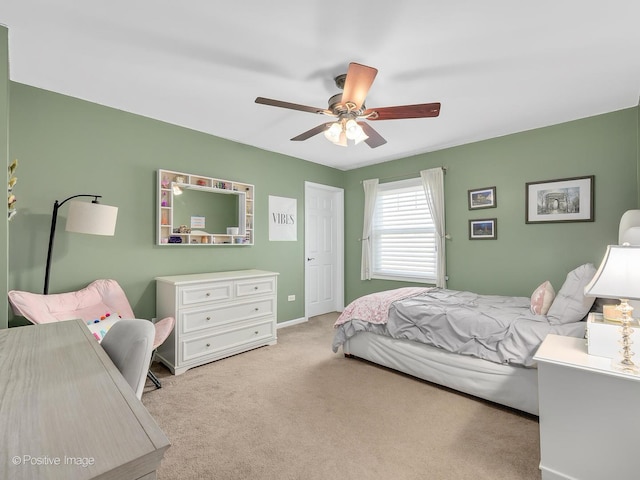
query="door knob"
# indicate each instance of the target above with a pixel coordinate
(309, 259)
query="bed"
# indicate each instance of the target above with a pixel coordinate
(481, 345)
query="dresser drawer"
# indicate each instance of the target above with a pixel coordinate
(255, 286)
(195, 319)
(231, 339)
(204, 293)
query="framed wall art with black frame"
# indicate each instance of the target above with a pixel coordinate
(562, 200)
(482, 198)
(483, 229)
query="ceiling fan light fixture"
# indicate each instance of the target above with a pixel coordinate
(333, 132)
(351, 128)
(335, 129)
(361, 136)
(340, 132)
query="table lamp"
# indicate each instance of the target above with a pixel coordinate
(619, 277)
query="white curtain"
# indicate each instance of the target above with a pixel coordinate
(433, 183)
(370, 194)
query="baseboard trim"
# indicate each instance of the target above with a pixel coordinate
(290, 323)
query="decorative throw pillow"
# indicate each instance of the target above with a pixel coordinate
(100, 328)
(542, 298)
(571, 304)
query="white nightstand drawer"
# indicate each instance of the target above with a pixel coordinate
(227, 340)
(256, 286)
(208, 292)
(193, 320)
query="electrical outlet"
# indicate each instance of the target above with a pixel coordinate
(291, 298)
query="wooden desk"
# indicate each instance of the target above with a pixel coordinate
(67, 412)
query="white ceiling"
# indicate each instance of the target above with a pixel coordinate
(497, 66)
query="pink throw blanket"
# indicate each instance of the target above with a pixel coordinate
(374, 308)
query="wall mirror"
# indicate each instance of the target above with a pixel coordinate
(198, 210)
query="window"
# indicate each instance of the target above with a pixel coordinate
(403, 234)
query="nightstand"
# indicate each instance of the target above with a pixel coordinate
(589, 420)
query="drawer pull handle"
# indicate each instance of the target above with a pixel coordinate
(256, 309)
(208, 294)
(256, 332)
(255, 288)
(208, 344)
(208, 318)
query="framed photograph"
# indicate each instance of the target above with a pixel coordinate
(483, 229)
(482, 198)
(562, 200)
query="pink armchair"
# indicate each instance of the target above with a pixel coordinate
(100, 304)
(99, 299)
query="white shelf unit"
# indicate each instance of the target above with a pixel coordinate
(168, 179)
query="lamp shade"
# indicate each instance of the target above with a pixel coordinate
(91, 218)
(618, 275)
(627, 231)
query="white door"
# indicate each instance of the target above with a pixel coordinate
(324, 249)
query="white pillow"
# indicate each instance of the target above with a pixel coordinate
(542, 298)
(571, 304)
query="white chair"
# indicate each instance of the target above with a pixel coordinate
(129, 344)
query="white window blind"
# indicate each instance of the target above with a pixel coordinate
(403, 233)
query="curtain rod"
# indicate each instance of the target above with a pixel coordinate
(406, 176)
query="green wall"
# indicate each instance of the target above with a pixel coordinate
(524, 255)
(67, 146)
(4, 148)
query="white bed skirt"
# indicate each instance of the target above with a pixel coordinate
(515, 387)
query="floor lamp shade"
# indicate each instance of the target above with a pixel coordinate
(84, 217)
(91, 218)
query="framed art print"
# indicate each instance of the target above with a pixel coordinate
(562, 200)
(483, 229)
(482, 198)
(283, 225)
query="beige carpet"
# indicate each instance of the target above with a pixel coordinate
(296, 410)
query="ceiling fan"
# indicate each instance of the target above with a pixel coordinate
(349, 110)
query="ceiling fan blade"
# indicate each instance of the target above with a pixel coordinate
(292, 106)
(421, 110)
(375, 139)
(310, 133)
(357, 84)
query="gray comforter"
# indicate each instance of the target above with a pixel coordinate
(496, 328)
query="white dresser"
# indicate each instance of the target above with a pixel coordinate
(217, 315)
(589, 424)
